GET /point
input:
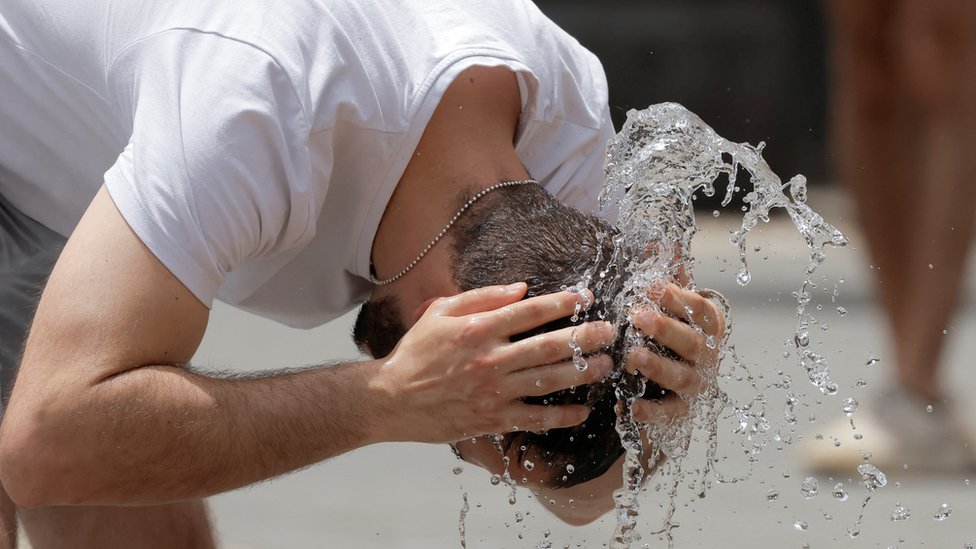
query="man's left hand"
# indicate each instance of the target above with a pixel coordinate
(691, 326)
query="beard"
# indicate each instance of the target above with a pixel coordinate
(378, 328)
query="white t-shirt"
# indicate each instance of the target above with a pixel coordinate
(254, 144)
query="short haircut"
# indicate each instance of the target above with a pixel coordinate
(523, 234)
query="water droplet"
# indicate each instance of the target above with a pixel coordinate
(570, 469)
(772, 494)
(841, 311)
(457, 470)
(929, 408)
(538, 383)
(861, 382)
(945, 332)
(495, 480)
(519, 517)
(578, 359)
(809, 488)
(872, 477)
(931, 266)
(800, 525)
(850, 406)
(711, 342)
(872, 360)
(528, 465)
(943, 512)
(716, 213)
(743, 276)
(900, 513)
(839, 493)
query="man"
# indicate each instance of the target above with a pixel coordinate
(285, 159)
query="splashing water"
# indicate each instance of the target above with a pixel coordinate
(839, 493)
(662, 156)
(942, 513)
(872, 478)
(809, 488)
(900, 513)
(465, 507)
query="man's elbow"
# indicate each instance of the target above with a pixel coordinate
(32, 463)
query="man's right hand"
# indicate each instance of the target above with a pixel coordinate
(456, 374)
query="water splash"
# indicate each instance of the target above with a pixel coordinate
(850, 408)
(872, 478)
(462, 515)
(809, 488)
(942, 513)
(663, 156)
(900, 513)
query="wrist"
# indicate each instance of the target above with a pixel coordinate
(382, 412)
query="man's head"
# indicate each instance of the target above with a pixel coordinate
(523, 234)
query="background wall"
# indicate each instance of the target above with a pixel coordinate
(752, 69)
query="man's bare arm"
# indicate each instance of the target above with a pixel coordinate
(104, 412)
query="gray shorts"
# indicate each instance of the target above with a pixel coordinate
(28, 251)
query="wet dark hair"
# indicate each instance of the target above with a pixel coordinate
(523, 234)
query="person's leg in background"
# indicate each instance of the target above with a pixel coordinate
(28, 251)
(937, 64)
(903, 122)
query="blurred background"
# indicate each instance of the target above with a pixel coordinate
(756, 70)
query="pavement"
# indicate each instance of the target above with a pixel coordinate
(407, 496)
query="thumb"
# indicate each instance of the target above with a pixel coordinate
(480, 300)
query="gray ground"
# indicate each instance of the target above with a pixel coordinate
(406, 496)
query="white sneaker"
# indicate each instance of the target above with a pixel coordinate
(896, 433)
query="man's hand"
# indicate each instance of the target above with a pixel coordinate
(691, 326)
(456, 374)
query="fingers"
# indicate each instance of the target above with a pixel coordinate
(681, 338)
(662, 411)
(552, 347)
(694, 308)
(536, 311)
(556, 377)
(479, 300)
(532, 417)
(670, 374)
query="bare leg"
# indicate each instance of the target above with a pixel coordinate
(184, 525)
(938, 68)
(897, 100)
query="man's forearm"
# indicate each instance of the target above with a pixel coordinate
(162, 433)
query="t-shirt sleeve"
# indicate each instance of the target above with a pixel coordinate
(217, 169)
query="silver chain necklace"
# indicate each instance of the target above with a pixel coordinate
(440, 235)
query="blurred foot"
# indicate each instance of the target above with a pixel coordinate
(895, 432)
